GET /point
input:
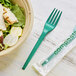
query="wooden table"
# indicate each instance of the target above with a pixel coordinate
(10, 65)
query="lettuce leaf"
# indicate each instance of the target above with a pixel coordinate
(19, 14)
(6, 3)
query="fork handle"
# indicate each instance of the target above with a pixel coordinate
(34, 49)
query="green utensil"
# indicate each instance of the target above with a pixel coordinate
(58, 50)
(50, 24)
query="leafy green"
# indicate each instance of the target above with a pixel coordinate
(1, 47)
(19, 14)
(5, 33)
(5, 47)
(6, 3)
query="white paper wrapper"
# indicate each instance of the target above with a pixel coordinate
(44, 70)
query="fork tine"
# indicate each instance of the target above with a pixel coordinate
(58, 19)
(51, 15)
(55, 17)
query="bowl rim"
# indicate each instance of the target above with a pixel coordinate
(7, 51)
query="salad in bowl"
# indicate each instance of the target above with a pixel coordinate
(12, 23)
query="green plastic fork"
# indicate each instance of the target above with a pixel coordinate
(50, 24)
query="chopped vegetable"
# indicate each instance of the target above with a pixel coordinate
(10, 40)
(5, 33)
(5, 47)
(1, 47)
(1, 37)
(1, 41)
(16, 31)
(7, 24)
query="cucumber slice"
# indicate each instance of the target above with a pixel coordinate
(10, 40)
(16, 31)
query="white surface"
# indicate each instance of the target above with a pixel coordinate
(11, 64)
(44, 70)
